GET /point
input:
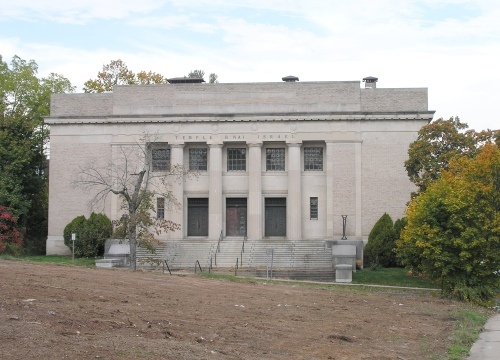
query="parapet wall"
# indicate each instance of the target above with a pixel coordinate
(244, 98)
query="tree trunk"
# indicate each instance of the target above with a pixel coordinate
(132, 240)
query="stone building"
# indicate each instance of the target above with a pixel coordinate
(277, 160)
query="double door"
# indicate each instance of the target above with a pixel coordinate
(275, 217)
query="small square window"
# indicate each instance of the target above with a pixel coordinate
(313, 159)
(160, 159)
(313, 208)
(160, 208)
(275, 159)
(198, 159)
(236, 160)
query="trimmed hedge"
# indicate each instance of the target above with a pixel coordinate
(90, 233)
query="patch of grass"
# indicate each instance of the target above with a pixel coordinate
(53, 259)
(466, 331)
(391, 277)
(225, 277)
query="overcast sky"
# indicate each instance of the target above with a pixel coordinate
(452, 47)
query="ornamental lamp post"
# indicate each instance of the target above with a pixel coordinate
(344, 223)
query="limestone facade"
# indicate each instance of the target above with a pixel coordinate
(278, 160)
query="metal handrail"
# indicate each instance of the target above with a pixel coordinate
(210, 267)
(242, 250)
(165, 263)
(236, 268)
(197, 262)
(218, 242)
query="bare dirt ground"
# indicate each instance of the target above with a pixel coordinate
(53, 312)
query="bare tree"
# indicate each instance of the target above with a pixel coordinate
(129, 175)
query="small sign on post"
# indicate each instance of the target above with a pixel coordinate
(73, 238)
(269, 251)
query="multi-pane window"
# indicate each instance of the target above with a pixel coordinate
(160, 159)
(198, 159)
(236, 160)
(313, 208)
(313, 158)
(275, 159)
(160, 208)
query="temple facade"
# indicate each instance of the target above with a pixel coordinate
(283, 160)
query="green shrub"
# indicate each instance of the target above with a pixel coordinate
(381, 242)
(90, 233)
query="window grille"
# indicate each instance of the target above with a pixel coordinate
(236, 160)
(275, 159)
(313, 158)
(313, 208)
(198, 159)
(160, 159)
(160, 208)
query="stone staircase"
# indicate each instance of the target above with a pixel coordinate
(180, 254)
(299, 260)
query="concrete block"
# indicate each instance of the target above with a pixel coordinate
(344, 250)
(343, 273)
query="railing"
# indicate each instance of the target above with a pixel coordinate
(236, 268)
(217, 250)
(197, 263)
(242, 251)
(166, 264)
(218, 243)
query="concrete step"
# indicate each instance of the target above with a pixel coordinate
(320, 274)
(181, 254)
(109, 263)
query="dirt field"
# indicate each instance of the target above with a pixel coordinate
(54, 312)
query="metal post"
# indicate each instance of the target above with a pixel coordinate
(73, 238)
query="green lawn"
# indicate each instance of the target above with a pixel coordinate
(391, 277)
(54, 259)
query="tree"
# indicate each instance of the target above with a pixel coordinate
(117, 73)
(196, 74)
(453, 230)
(10, 238)
(381, 243)
(212, 78)
(130, 178)
(25, 100)
(438, 143)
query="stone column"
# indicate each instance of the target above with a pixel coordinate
(294, 201)
(215, 192)
(177, 211)
(329, 189)
(254, 211)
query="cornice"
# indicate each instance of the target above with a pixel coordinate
(285, 117)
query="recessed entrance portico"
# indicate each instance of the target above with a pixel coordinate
(236, 217)
(275, 215)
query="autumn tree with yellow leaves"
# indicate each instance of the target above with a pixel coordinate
(453, 230)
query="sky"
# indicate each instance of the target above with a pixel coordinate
(451, 47)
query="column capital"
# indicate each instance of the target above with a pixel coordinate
(294, 144)
(177, 146)
(255, 144)
(215, 146)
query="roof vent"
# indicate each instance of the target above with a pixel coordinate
(290, 78)
(185, 80)
(370, 82)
